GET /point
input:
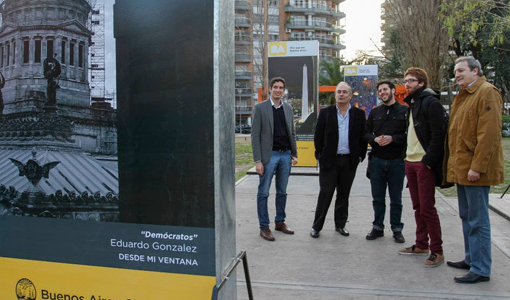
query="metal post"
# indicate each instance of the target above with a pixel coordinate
(247, 276)
(508, 187)
(240, 257)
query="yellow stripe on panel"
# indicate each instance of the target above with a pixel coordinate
(78, 282)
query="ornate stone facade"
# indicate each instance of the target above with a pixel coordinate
(33, 30)
(80, 186)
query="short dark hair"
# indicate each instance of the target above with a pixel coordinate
(472, 63)
(276, 79)
(419, 73)
(389, 83)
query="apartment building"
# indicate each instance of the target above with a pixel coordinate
(288, 20)
(243, 61)
(314, 20)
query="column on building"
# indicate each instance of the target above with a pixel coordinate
(85, 61)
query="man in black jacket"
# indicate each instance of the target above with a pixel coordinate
(424, 155)
(386, 133)
(339, 146)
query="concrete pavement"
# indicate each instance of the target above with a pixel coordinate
(337, 267)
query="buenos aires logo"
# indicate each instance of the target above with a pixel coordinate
(25, 290)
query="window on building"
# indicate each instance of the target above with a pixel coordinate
(80, 56)
(63, 54)
(241, 84)
(299, 20)
(242, 68)
(49, 48)
(8, 59)
(14, 53)
(273, 20)
(26, 52)
(301, 3)
(37, 54)
(241, 49)
(1, 56)
(71, 54)
(320, 22)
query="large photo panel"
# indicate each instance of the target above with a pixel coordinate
(297, 63)
(107, 148)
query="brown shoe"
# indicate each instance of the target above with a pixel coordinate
(266, 234)
(413, 250)
(434, 260)
(283, 228)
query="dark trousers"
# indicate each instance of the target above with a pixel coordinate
(387, 174)
(421, 181)
(339, 177)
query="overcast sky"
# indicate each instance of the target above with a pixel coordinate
(362, 23)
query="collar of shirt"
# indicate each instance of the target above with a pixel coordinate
(272, 103)
(346, 114)
(387, 108)
(469, 85)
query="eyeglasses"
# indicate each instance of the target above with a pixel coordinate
(410, 80)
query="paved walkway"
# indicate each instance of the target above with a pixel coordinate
(337, 267)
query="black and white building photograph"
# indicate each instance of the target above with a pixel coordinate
(58, 135)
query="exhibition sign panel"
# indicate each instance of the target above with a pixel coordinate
(363, 80)
(103, 202)
(297, 63)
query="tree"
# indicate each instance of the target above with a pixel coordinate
(465, 18)
(260, 39)
(481, 29)
(417, 38)
(330, 74)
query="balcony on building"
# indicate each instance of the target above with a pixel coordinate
(242, 5)
(243, 22)
(243, 75)
(331, 43)
(243, 57)
(338, 29)
(243, 92)
(314, 7)
(244, 110)
(313, 25)
(325, 40)
(243, 39)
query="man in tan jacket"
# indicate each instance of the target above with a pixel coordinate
(475, 163)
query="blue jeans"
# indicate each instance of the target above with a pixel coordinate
(476, 226)
(279, 165)
(387, 173)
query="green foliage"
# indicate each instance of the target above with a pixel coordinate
(481, 28)
(243, 158)
(506, 118)
(330, 74)
(465, 18)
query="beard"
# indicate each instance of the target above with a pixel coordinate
(389, 98)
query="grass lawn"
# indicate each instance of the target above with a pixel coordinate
(244, 157)
(497, 189)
